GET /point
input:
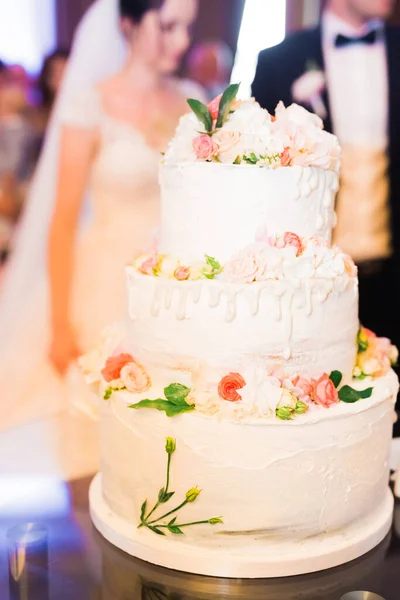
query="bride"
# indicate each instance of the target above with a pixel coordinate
(111, 135)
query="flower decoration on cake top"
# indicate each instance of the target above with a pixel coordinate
(268, 258)
(240, 132)
(375, 355)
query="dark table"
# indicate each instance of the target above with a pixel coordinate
(81, 565)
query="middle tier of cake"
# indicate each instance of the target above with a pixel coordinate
(310, 326)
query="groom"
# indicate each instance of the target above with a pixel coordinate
(347, 70)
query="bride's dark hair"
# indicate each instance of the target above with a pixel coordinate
(136, 9)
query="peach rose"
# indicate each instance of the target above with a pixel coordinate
(247, 266)
(182, 273)
(114, 365)
(290, 240)
(286, 157)
(305, 386)
(324, 392)
(213, 107)
(316, 241)
(229, 386)
(349, 266)
(227, 139)
(149, 265)
(205, 147)
(135, 378)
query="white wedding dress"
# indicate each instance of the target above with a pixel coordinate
(125, 206)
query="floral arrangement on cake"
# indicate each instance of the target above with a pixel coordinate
(258, 391)
(232, 131)
(268, 393)
(375, 355)
(269, 258)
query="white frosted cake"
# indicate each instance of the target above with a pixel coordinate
(247, 418)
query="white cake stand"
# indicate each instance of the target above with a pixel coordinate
(308, 556)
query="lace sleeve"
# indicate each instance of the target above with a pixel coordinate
(82, 110)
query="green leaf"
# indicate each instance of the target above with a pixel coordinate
(336, 378)
(350, 395)
(251, 160)
(108, 393)
(172, 521)
(174, 410)
(171, 410)
(227, 99)
(156, 530)
(163, 497)
(237, 160)
(175, 529)
(143, 510)
(177, 393)
(214, 264)
(202, 112)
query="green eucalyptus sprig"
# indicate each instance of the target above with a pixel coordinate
(156, 525)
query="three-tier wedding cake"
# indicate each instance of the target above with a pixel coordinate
(247, 418)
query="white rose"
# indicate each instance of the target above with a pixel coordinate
(180, 149)
(229, 145)
(168, 266)
(298, 115)
(249, 118)
(287, 399)
(261, 395)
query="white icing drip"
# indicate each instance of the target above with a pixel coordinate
(288, 324)
(196, 293)
(309, 298)
(231, 305)
(215, 297)
(254, 298)
(183, 298)
(156, 305)
(168, 296)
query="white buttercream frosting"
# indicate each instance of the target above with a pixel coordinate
(315, 475)
(309, 325)
(218, 209)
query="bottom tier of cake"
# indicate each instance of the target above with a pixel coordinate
(275, 494)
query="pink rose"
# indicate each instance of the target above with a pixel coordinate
(286, 157)
(246, 266)
(135, 378)
(226, 140)
(213, 107)
(114, 365)
(316, 241)
(290, 240)
(205, 147)
(229, 386)
(182, 273)
(149, 265)
(324, 392)
(306, 387)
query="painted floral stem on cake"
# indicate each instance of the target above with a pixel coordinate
(164, 495)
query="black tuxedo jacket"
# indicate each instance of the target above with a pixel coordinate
(280, 66)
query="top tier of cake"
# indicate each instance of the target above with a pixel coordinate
(247, 177)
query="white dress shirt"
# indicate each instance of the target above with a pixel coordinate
(357, 81)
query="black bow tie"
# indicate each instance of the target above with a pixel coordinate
(342, 41)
